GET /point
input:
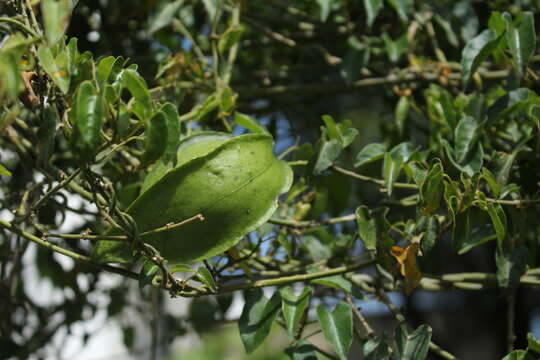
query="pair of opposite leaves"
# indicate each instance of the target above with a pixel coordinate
(234, 182)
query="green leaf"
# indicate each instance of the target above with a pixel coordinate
(47, 132)
(56, 68)
(404, 8)
(356, 57)
(391, 169)
(339, 282)
(415, 345)
(257, 317)
(395, 48)
(331, 127)
(210, 104)
(164, 16)
(511, 265)
(370, 153)
(147, 274)
(206, 278)
(517, 355)
(230, 38)
(533, 343)
(326, 7)
(88, 114)
(337, 327)
(137, 87)
(431, 189)
(377, 349)
(465, 138)
(492, 182)
(498, 218)
(401, 113)
(104, 68)
(294, 308)
(521, 40)
(475, 52)
(172, 120)
(55, 18)
(431, 235)
(367, 228)
(155, 138)
(10, 79)
(303, 350)
(346, 132)
(249, 123)
(372, 10)
(329, 151)
(510, 103)
(472, 228)
(317, 249)
(233, 181)
(441, 106)
(180, 268)
(472, 165)
(4, 171)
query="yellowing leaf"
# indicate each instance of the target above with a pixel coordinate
(406, 258)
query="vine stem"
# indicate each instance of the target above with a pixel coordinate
(19, 25)
(298, 278)
(76, 256)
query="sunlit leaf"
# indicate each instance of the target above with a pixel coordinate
(337, 327)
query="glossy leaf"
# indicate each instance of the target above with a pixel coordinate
(4, 171)
(257, 318)
(533, 343)
(137, 87)
(233, 182)
(56, 68)
(373, 7)
(339, 282)
(172, 120)
(498, 218)
(88, 114)
(404, 8)
(412, 345)
(475, 52)
(147, 274)
(377, 349)
(367, 228)
(431, 234)
(518, 355)
(465, 138)
(294, 308)
(431, 189)
(55, 18)
(249, 123)
(47, 132)
(395, 48)
(328, 153)
(521, 39)
(155, 138)
(165, 16)
(326, 7)
(510, 103)
(230, 38)
(104, 69)
(337, 327)
(401, 112)
(303, 350)
(206, 278)
(511, 265)
(370, 153)
(391, 169)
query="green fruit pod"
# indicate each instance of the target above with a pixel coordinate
(234, 182)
